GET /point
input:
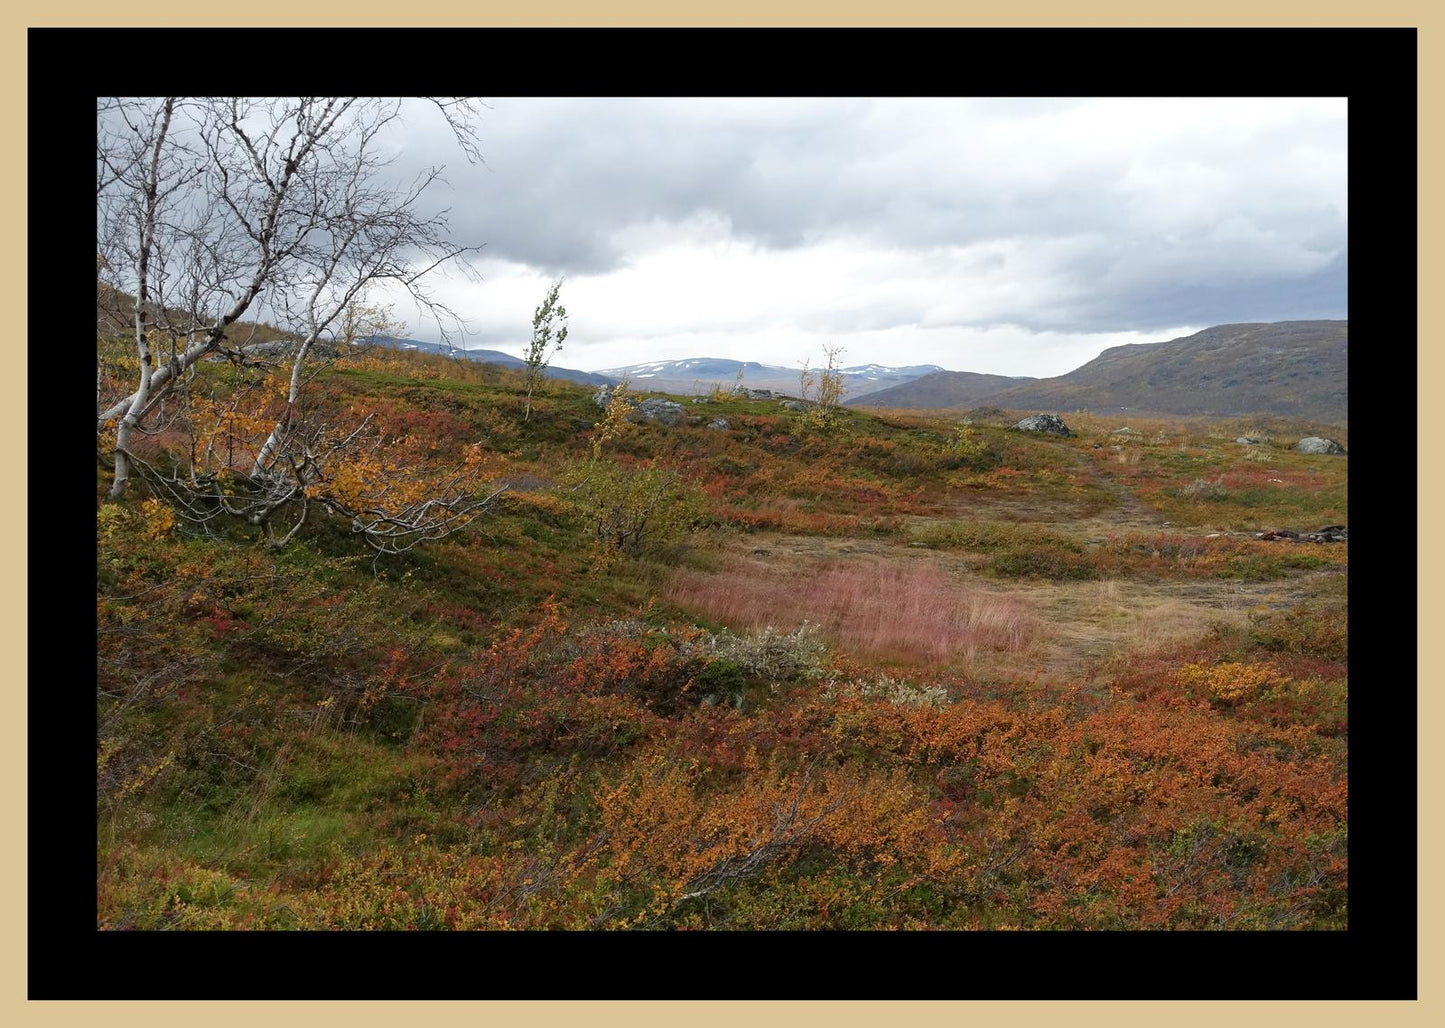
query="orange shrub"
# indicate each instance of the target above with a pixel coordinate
(1230, 683)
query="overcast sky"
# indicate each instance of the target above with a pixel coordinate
(1009, 236)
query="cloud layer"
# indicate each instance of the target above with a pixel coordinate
(1015, 236)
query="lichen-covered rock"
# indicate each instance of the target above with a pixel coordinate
(719, 424)
(603, 396)
(1314, 444)
(742, 392)
(1044, 423)
(1250, 440)
(797, 405)
(660, 410)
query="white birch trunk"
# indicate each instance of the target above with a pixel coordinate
(142, 344)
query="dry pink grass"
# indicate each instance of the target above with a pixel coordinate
(874, 608)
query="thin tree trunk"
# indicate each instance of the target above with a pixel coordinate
(283, 424)
(142, 344)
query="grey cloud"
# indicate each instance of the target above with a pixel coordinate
(1151, 306)
(565, 176)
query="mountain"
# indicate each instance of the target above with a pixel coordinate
(700, 374)
(940, 389)
(1289, 368)
(489, 357)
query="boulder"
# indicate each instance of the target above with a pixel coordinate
(719, 424)
(603, 396)
(1250, 440)
(1044, 423)
(1314, 444)
(660, 410)
(753, 394)
(797, 405)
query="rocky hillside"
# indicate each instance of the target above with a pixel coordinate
(1289, 368)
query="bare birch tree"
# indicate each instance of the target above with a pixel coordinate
(212, 208)
(209, 209)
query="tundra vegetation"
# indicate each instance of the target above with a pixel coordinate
(884, 671)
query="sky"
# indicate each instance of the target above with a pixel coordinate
(1015, 236)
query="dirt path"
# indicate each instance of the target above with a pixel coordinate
(1131, 511)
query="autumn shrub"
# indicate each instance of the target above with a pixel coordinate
(888, 689)
(660, 667)
(1052, 562)
(668, 838)
(1307, 630)
(1229, 684)
(1014, 550)
(630, 509)
(770, 653)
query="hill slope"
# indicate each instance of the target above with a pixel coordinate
(1290, 368)
(506, 360)
(941, 389)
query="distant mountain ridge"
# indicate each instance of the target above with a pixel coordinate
(700, 374)
(1288, 368)
(488, 357)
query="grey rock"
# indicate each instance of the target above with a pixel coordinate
(660, 410)
(1314, 444)
(1044, 423)
(719, 424)
(753, 394)
(797, 405)
(1250, 440)
(603, 396)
